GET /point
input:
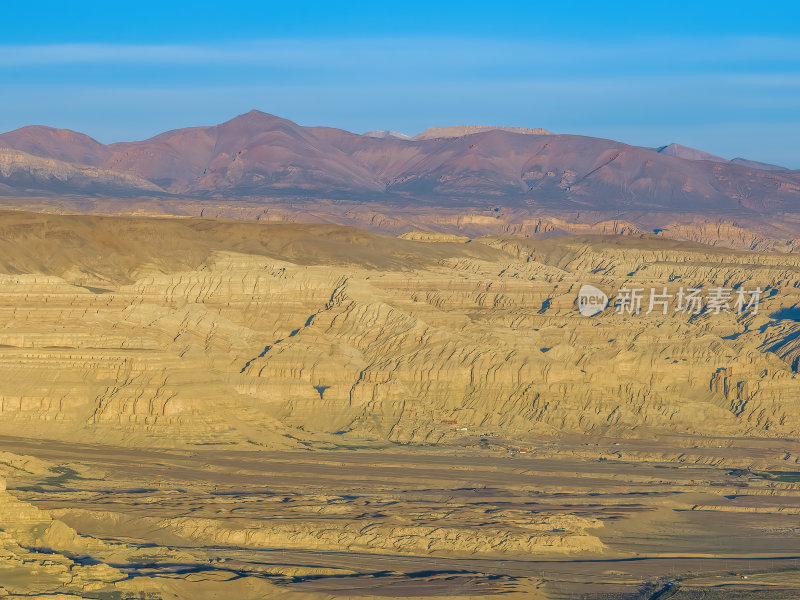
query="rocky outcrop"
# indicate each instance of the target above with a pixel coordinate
(33, 555)
(461, 130)
(539, 535)
(25, 171)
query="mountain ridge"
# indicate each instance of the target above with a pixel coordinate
(258, 156)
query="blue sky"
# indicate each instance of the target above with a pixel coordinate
(720, 76)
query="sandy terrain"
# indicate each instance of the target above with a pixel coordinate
(199, 408)
(393, 522)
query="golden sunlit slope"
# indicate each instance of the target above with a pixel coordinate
(198, 331)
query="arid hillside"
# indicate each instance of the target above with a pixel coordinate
(198, 407)
(187, 331)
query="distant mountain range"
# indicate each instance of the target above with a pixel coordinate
(258, 155)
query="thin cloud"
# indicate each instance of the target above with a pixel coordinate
(422, 52)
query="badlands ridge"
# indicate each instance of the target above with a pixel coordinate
(193, 406)
(182, 331)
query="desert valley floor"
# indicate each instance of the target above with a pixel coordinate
(202, 408)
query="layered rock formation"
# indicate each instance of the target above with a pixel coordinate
(204, 332)
(192, 407)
